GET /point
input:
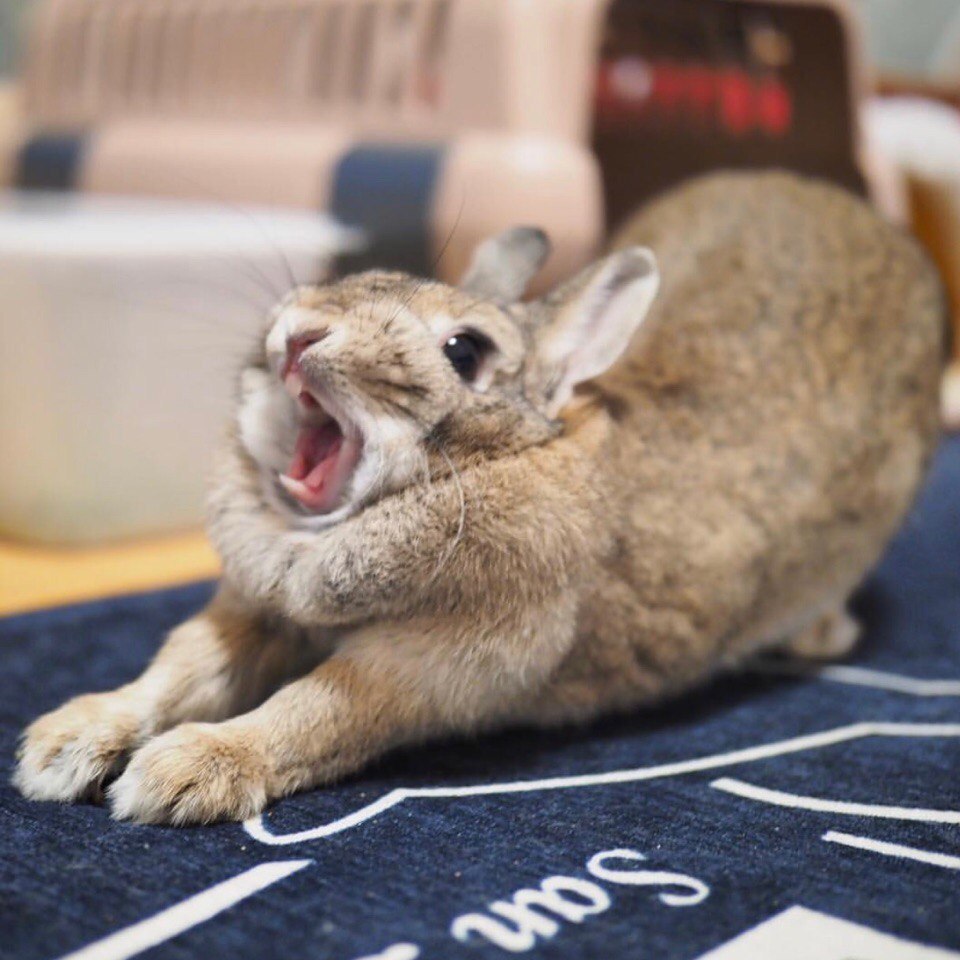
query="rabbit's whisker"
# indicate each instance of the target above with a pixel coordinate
(462, 518)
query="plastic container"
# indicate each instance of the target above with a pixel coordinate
(123, 324)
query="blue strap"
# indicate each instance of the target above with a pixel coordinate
(50, 161)
(387, 191)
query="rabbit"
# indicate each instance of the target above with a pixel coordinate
(445, 510)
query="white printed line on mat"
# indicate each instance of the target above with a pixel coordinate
(257, 828)
(796, 801)
(862, 677)
(892, 849)
(188, 913)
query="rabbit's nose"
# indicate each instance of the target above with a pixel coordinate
(295, 347)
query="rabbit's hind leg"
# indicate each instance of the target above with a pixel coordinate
(831, 636)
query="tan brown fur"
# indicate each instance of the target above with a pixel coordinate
(720, 489)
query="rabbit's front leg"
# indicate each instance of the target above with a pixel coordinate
(210, 667)
(385, 686)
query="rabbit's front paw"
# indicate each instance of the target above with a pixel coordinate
(196, 773)
(68, 753)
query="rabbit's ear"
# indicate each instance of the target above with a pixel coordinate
(594, 318)
(503, 265)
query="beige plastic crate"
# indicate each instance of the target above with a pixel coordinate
(259, 102)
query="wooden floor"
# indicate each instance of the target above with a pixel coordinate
(32, 577)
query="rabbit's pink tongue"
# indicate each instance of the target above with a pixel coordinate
(323, 461)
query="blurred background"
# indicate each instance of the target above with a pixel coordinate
(168, 169)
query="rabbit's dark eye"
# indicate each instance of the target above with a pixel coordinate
(465, 351)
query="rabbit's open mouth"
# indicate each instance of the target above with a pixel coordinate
(325, 455)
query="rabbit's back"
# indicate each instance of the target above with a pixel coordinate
(773, 427)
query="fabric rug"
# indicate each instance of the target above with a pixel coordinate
(774, 815)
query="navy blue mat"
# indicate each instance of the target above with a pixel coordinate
(821, 810)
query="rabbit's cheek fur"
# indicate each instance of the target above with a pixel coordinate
(266, 420)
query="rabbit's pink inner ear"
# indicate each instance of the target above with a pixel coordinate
(594, 326)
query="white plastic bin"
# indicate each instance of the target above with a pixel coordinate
(122, 323)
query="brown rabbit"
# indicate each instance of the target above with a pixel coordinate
(442, 509)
